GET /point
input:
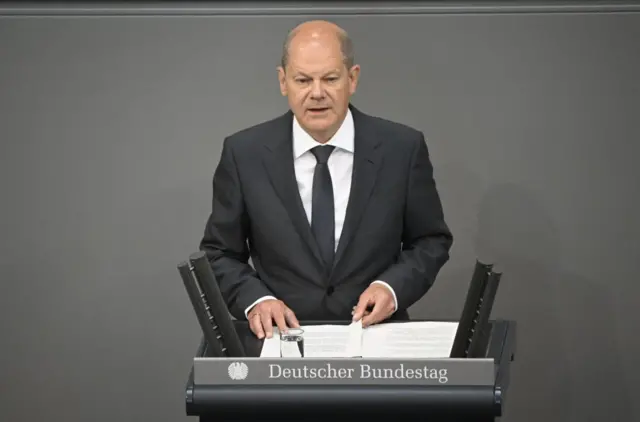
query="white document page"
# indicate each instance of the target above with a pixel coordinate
(423, 339)
(322, 341)
(271, 346)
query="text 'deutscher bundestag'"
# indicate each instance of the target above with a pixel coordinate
(347, 371)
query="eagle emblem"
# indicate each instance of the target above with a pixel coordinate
(238, 370)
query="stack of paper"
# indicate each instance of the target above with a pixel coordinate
(423, 339)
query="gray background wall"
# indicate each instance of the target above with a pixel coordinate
(111, 127)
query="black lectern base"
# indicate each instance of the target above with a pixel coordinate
(448, 410)
(330, 417)
(433, 403)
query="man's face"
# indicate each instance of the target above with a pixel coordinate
(318, 85)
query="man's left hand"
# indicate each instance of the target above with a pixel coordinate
(380, 300)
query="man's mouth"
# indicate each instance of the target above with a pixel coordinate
(318, 109)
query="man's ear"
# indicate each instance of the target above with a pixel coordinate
(354, 77)
(282, 77)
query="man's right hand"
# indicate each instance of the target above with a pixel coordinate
(262, 316)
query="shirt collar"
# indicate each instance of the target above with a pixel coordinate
(343, 139)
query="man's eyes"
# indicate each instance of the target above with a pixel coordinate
(307, 80)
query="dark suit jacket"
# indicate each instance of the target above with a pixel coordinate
(394, 229)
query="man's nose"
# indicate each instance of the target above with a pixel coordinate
(317, 90)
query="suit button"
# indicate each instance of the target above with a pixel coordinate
(330, 291)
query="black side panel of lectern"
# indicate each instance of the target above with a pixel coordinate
(201, 308)
(209, 306)
(232, 346)
(480, 336)
(474, 330)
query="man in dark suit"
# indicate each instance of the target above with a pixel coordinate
(338, 210)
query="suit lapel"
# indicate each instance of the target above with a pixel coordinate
(366, 163)
(278, 160)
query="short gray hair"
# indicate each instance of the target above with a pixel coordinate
(346, 46)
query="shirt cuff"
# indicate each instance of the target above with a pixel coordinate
(395, 299)
(263, 298)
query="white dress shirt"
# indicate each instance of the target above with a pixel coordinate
(340, 166)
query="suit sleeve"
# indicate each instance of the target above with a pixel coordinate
(426, 239)
(225, 239)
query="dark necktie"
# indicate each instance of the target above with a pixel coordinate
(322, 210)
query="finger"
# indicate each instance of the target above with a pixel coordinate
(366, 312)
(267, 323)
(361, 307)
(291, 318)
(278, 316)
(376, 315)
(255, 323)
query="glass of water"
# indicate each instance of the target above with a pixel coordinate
(292, 343)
